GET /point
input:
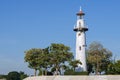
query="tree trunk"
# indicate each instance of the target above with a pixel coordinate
(74, 68)
(35, 72)
(97, 65)
(57, 71)
(42, 72)
(97, 68)
(45, 71)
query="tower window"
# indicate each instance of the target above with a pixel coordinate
(79, 47)
(79, 34)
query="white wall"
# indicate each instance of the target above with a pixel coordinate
(103, 77)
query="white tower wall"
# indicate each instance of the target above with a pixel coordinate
(80, 50)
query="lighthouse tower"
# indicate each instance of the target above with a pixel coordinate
(80, 30)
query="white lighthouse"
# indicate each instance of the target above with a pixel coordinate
(80, 30)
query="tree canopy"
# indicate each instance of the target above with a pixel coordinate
(52, 57)
(32, 57)
(98, 57)
(59, 54)
(114, 67)
(13, 76)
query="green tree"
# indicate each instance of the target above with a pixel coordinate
(74, 63)
(22, 75)
(117, 67)
(3, 76)
(52, 57)
(43, 61)
(99, 57)
(13, 76)
(32, 57)
(114, 67)
(59, 54)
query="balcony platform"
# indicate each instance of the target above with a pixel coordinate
(81, 29)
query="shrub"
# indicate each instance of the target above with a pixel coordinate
(13, 76)
(71, 72)
(3, 76)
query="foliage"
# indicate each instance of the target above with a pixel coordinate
(45, 73)
(72, 72)
(22, 75)
(89, 67)
(114, 68)
(74, 63)
(59, 54)
(44, 60)
(98, 57)
(52, 57)
(117, 67)
(32, 57)
(13, 76)
(3, 76)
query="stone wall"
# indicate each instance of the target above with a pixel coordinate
(101, 77)
(2, 79)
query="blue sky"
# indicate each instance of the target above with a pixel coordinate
(26, 24)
